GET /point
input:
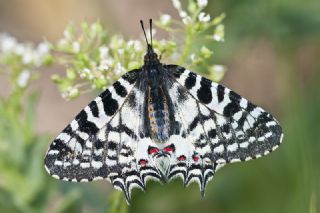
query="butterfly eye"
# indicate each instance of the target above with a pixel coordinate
(153, 150)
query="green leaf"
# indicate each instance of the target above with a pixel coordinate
(71, 74)
(70, 203)
(218, 20)
(216, 72)
(205, 52)
(133, 65)
(117, 203)
(69, 32)
(56, 79)
(192, 7)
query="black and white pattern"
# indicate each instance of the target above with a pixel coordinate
(161, 122)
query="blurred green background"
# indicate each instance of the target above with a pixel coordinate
(271, 50)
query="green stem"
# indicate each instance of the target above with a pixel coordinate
(187, 45)
(189, 38)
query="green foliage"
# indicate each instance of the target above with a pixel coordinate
(24, 185)
(95, 59)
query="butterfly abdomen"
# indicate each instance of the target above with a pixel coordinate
(158, 114)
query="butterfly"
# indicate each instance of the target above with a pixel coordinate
(161, 122)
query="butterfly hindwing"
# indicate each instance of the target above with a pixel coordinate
(222, 127)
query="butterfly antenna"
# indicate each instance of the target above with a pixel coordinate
(144, 32)
(150, 23)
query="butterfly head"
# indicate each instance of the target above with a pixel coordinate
(150, 57)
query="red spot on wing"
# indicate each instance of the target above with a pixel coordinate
(153, 150)
(196, 158)
(143, 162)
(181, 158)
(168, 149)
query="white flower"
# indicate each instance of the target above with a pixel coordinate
(187, 20)
(136, 44)
(219, 33)
(7, 43)
(63, 43)
(64, 95)
(115, 44)
(23, 78)
(217, 38)
(104, 52)
(193, 57)
(154, 32)
(43, 48)
(73, 92)
(75, 46)
(119, 69)
(165, 19)
(218, 68)
(176, 4)
(204, 17)
(82, 75)
(202, 3)
(86, 72)
(183, 14)
(20, 49)
(120, 51)
(67, 34)
(105, 64)
(38, 59)
(27, 57)
(94, 28)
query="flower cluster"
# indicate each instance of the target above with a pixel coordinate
(94, 59)
(21, 59)
(198, 29)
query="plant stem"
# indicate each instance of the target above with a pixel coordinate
(187, 45)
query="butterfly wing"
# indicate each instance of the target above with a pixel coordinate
(222, 127)
(106, 139)
(103, 140)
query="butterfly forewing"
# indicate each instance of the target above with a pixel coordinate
(237, 129)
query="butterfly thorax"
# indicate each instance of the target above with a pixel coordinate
(151, 58)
